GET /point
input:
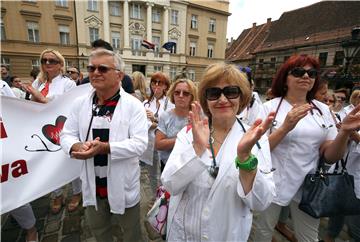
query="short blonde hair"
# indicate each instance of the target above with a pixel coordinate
(192, 89)
(228, 73)
(43, 75)
(139, 83)
(355, 95)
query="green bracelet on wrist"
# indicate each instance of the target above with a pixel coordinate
(248, 165)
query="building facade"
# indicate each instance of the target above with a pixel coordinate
(197, 27)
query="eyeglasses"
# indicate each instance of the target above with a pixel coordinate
(230, 92)
(300, 72)
(157, 82)
(184, 93)
(72, 72)
(49, 61)
(340, 98)
(101, 68)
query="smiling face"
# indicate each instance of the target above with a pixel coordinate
(223, 108)
(303, 83)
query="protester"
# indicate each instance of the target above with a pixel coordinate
(182, 93)
(74, 74)
(341, 97)
(17, 87)
(155, 105)
(51, 83)
(302, 130)
(212, 197)
(139, 83)
(322, 92)
(33, 75)
(5, 76)
(107, 130)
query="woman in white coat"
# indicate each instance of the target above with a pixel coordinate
(303, 129)
(220, 169)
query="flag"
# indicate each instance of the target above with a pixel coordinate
(148, 45)
(169, 45)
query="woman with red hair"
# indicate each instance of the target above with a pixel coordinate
(302, 130)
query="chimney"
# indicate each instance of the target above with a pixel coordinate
(232, 39)
(268, 20)
(254, 25)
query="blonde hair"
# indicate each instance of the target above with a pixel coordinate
(354, 96)
(139, 83)
(43, 75)
(228, 73)
(192, 90)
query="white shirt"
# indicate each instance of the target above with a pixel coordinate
(298, 152)
(18, 93)
(202, 208)
(58, 86)
(5, 90)
(250, 114)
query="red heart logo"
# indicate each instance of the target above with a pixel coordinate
(52, 132)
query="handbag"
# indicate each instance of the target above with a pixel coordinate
(157, 215)
(329, 194)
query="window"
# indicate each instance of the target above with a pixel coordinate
(5, 61)
(194, 22)
(286, 58)
(64, 35)
(192, 49)
(115, 40)
(174, 16)
(33, 32)
(323, 58)
(136, 43)
(156, 42)
(339, 58)
(3, 35)
(272, 62)
(210, 51)
(261, 64)
(157, 68)
(173, 49)
(173, 71)
(156, 15)
(61, 3)
(35, 63)
(192, 75)
(135, 11)
(94, 34)
(114, 8)
(212, 25)
(92, 5)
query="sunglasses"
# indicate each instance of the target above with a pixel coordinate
(157, 82)
(72, 72)
(230, 92)
(49, 61)
(184, 93)
(330, 101)
(101, 68)
(300, 72)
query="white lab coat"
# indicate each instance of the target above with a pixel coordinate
(127, 139)
(298, 152)
(5, 90)
(58, 86)
(226, 214)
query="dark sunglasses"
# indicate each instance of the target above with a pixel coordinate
(157, 82)
(300, 72)
(230, 92)
(49, 61)
(101, 68)
(184, 93)
(72, 72)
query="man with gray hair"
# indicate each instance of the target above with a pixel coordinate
(107, 131)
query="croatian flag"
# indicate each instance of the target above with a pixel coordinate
(148, 45)
(169, 45)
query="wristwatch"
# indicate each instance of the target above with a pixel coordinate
(248, 165)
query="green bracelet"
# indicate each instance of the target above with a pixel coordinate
(248, 165)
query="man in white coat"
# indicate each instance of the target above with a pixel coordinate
(107, 130)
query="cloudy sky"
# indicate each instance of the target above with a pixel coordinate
(246, 12)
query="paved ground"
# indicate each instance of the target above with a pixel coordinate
(71, 227)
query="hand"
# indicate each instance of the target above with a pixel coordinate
(200, 128)
(35, 94)
(253, 135)
(150, 115)
(91, 148)
(352, 121)
(295, 115)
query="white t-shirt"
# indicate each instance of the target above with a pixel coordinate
(298, 152)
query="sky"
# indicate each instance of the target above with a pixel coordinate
(246, 12)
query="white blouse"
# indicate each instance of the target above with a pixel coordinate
(298, 152)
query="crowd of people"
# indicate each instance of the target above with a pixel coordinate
(233, 165)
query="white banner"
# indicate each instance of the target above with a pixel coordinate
(32, 162)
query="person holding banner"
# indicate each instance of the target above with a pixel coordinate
(107, 131)
(50, 83)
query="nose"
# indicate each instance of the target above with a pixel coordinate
(222, 98)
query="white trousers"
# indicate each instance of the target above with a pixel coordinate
(305, 226)
(24, 216)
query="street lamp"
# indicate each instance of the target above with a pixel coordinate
(351, 47)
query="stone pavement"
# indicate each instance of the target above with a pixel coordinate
(71, 227)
